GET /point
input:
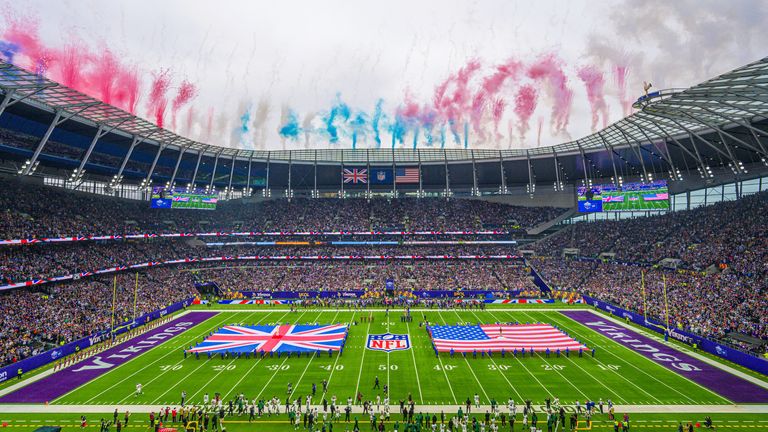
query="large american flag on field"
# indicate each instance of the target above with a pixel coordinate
(407, 175)
(279, 338)
(497, 337)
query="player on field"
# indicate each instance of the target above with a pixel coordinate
(138, 390)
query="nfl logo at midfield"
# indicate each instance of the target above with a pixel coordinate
(388, 342)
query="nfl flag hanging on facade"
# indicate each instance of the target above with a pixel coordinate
(355, 176)
(282, 338)
(497, 337)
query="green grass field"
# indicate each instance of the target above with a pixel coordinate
(616, 373)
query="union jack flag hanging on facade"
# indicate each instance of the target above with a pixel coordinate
(355, 175)
(266, 338)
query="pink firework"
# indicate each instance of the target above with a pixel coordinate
(479, 103)
(106, 71)
(621, 72)
(506, 71)
(525, 105)
(158, 100)
(187, 92)
(549, 70)
(594, 82)
(497, 110)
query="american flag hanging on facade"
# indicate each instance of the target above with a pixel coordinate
(497, 337)
(407, 175)
(355, 176)
(282, 338)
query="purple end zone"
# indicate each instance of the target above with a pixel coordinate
(729, 386)
(66, 380)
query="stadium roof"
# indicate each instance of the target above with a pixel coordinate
(730, 99)
(722, 119)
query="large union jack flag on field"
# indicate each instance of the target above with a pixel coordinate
(497, 337)
(281, 338)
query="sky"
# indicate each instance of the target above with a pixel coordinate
(298, 74)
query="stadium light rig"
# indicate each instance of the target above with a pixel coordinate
(764, 161)
(26, 164)
(705, 172)
(530, 188)
(676, 174)
(146, 184)
(266, 193)
(559, 186)
(737, 168)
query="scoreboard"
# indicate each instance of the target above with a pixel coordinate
(181, 199)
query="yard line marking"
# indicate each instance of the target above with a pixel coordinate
(338, 356)
(249, 371)
(618, 398)
(129, 362)
(467, 362)
(158, 376)
(362, 359)
(333, 320)
(416, 369)
(496, 366)
(203, 363)
(611, 353)
(682, 349)
(286, 359)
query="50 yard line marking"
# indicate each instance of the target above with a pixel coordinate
(362, 358)
(416, 369)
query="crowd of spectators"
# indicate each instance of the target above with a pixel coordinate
(32, 211)
(709, 304)
(24, 263)
(733, 233)
(33, 321)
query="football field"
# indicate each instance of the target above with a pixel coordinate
(616, 372)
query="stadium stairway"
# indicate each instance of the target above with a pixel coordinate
(540, 228)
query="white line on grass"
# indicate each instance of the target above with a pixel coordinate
(247, 373)
(362, 359)
(468, 365)
(615, 373)
(496, 366)
(337, 358)
(630, 364)
(578, 389)
(416, 369)
(203, 363)
(141, 369)
(333, 320)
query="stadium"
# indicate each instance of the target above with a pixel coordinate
(429, 216)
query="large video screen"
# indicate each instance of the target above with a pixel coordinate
(181, 199)
(628, 197)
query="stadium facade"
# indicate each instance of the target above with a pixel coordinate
(712, 133)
